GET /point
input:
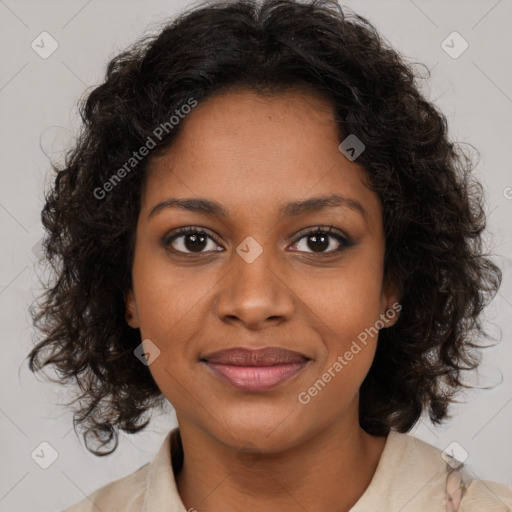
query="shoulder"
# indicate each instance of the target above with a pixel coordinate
(415, 476)
(459, 487)
(485, 495)
(148, 488)
(126, 493)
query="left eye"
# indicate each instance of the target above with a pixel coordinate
(320, 239)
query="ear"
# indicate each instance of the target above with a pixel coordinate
(131, 314)
(391, 306)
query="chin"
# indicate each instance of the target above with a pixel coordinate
(264, 434)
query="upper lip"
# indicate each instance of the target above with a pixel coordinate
(269, 356)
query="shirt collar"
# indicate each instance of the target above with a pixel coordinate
(161, 490)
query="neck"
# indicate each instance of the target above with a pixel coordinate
(329, 471)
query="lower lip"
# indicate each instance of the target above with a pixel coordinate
(256, 378)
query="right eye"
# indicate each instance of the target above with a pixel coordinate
(189, 241)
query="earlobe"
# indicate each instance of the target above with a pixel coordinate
(392, 314)
(131, 316)
(392, 306)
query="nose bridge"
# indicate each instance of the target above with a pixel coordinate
(253, 290)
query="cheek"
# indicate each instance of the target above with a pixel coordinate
(347, 302)
(168, 299)
(171, 304)
(345, 311)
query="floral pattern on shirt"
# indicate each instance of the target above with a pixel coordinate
(456, 485)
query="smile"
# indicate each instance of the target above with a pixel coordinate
(255, 370)
(256, 378)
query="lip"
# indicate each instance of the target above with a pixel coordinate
(255, 370)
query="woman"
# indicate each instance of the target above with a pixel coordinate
(264, 223)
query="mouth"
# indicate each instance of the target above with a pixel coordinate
(255, 370)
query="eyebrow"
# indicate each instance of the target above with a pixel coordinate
(292, 209)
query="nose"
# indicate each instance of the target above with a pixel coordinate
(255, 293)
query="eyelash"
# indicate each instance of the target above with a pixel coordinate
(343, 240)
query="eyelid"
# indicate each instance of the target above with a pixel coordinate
(330, 230)
(343, 239)
(168, 238)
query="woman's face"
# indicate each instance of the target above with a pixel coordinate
(260, 275)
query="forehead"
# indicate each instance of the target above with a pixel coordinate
(251, 151)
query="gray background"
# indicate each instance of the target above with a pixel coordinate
(38, 98)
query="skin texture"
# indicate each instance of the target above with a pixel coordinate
(252, 154)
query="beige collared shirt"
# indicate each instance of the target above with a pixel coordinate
(411, 477)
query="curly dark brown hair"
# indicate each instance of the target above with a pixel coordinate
(433, 207)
